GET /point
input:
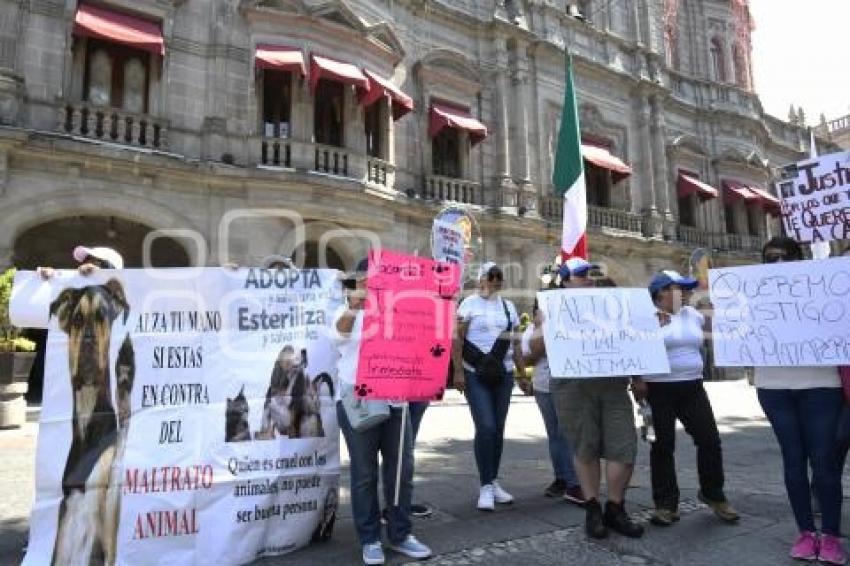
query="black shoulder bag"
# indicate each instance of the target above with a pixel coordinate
(490, 367)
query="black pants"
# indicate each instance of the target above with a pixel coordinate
(687, 402)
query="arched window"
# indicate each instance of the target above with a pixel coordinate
(741, 71)
(718, 65)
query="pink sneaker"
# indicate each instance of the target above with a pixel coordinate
(831, 551)
(806, 547)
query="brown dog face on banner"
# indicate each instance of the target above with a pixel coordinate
(86, 316)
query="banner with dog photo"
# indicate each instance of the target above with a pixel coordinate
(188, 414)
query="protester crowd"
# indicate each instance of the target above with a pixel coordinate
(589, 422)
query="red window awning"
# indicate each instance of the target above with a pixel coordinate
(346, 73)
(601, 157)
(280, 58)
(769, 202)
(734, 191)
(447, 116)
(378, 88)
(101, 23)
(687, 185)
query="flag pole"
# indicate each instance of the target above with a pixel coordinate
(820, 250)
(404, 410)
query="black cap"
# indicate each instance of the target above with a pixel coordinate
(350, 279)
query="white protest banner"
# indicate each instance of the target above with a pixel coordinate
(188, 415)
(815, 197)
(782, 314)
(602, 333)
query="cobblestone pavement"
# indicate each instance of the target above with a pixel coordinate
(535, 530)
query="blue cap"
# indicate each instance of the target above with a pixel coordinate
(574, 266)
(664, 279)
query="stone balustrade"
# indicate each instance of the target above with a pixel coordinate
(113, 125)
(452, 190)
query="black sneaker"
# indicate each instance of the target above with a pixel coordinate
(616, 519)
(420, 510)
(594, 525)
(556, 489)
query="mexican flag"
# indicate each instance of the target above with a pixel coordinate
(568, 176)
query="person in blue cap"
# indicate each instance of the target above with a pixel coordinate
(597, 418)
(680, 395)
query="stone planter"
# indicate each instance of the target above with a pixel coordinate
(14, 372)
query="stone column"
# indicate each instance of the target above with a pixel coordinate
(659, 164)
(520, 94)
(652, 224)
(503, 181)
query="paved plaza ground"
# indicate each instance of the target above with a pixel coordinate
(535, 530)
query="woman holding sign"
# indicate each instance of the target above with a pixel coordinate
(680, 395)
(370, 436)
(803, 405)
(486, 353)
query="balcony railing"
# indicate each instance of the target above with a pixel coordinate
(113, 125)
(452, 190)
(621, 220)
(743, 243)
(552, 207)
(378, 171)
(331, 159)
(276, 152)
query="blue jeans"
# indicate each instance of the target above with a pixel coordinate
(843, 437)
(805, 423)
(559, 447)
(417, 411)
(363, 449)
(489, 408)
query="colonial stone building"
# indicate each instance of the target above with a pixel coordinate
(219, 121)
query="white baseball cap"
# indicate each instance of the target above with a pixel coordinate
(485, 268)
(108, 255)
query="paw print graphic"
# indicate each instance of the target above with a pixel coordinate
(437, 351)
(362, 390)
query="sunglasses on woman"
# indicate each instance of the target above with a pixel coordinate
(495, 276)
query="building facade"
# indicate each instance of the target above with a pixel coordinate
(225, 123)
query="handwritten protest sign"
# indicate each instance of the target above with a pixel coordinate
(213, 437)
(602, 333)
(782, 314)
(448, 242)
(816, 198)
(407, 327)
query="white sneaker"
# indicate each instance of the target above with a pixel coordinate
(500, 495)
(486, 500)
(412, 548)
(373, 553)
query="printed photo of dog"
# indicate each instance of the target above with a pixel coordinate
(237, 428)
(88, 513)
(293, 400)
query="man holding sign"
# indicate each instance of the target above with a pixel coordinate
(595, 412)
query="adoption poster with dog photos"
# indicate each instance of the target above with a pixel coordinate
(188, 414)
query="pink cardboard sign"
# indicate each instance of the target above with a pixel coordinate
(408, 325)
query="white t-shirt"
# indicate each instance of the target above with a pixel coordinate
(804, 377)
(542, 374)
(348, 348)
(487, 320)
(683, 338)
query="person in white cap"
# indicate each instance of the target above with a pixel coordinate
(90, 260)
(485, 355)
